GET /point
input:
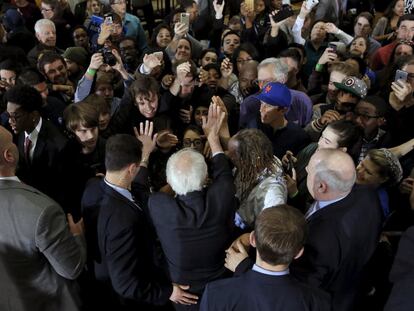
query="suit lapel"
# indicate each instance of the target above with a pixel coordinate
(40, 143)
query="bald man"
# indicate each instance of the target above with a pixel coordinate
(39, 252)
(344, 224)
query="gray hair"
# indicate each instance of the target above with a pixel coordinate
(333, 178)
(280, 68)
(42, 23)
(186, 171)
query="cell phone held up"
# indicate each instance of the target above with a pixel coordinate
(401, 75)
(185, 19)
(333, 47)
(288, 168)
(284, 13)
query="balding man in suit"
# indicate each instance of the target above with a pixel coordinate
(39, 252)
(344, 225)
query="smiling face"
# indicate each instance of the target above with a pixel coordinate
(192, 139)
(398, 9)
(19, 119)
(163, 38)
(47, 35)
(230, 43)
(183, 50)
(147, 104)
(56, 72)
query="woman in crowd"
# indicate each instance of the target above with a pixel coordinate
(384, 30)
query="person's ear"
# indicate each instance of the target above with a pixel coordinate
(252, 239)
(344, 149)
(322, 187)
(300, 253)
(381, 121)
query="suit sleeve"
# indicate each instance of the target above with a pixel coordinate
(126, 267)
(204, 300)
(66, 253)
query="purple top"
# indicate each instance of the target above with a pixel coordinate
(300, 111)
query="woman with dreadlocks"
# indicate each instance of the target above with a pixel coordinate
(258, 177)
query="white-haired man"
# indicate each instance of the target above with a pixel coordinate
(275, 70)
(194, 227)
(45, 31)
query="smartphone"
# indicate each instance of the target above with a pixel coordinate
(333, 47)
(401, 75)
(310, 4)
(287, 168)
(284, 13)
(185, 19)
(108, 18)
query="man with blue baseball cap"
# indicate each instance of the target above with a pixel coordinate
(275, 101)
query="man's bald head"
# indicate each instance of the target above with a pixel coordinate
(331, 174)
(9, 155)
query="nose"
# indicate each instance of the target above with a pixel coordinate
(88, 135)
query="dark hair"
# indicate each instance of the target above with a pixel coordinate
(362, 65)
(406, 17)
(99, 103)
(31, 77)
(291, 53)
(228, 33)
(368, 16)
(79, 27)
(153, 41)
(189, 42)
(129, 38)
(122, 150)
(205, 51)
(245, 47)
(10, 65)
(48, 58)
(389, 11)
(145, 85)
(367, 44)
(214, 66)
(279, 232)
(80, 114)
(349, 136)
(381, 106)
(184, 4)
(25, 96)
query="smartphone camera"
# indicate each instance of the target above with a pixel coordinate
(108, 57)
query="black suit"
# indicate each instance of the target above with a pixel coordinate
(126, 248)
(41, 171)
(341, 239)
(195, 229)
(257, 291)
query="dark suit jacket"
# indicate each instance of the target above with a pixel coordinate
(126, 251)
(194, 229)
(256, 291)
(42, 172)
(342, 237)
(402, 275)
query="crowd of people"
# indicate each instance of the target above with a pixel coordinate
(235, 155)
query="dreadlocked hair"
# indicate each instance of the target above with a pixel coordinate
(254, 159)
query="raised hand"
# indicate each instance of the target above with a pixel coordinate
(151, 61)
(235, 255)
(166, 139)
(144, 135)
(226, 68)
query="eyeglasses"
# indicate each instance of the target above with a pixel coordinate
(187, 142)
(364, 116)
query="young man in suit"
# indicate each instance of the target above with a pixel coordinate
(39, 252)
(39, 142)
(124, 236)
(278, 237)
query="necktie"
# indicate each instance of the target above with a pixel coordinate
(27, 147)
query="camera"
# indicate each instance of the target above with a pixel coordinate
(108, 57)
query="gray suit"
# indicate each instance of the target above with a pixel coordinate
(38, 253)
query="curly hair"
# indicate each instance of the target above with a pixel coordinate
(254, 156)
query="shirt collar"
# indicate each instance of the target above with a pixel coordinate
(14, 178)
(268, 272)
(122, 191)
(323, 204)
(33, 135)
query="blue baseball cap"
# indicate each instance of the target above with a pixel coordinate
(275, 94)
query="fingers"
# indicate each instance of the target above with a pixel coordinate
(241, 247)
(294, 174)
(70, 219)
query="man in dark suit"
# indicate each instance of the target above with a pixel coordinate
(195, 226)
(124, 237)
(39, 142)
(278, 237)
(344, 225)
(39, 252)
